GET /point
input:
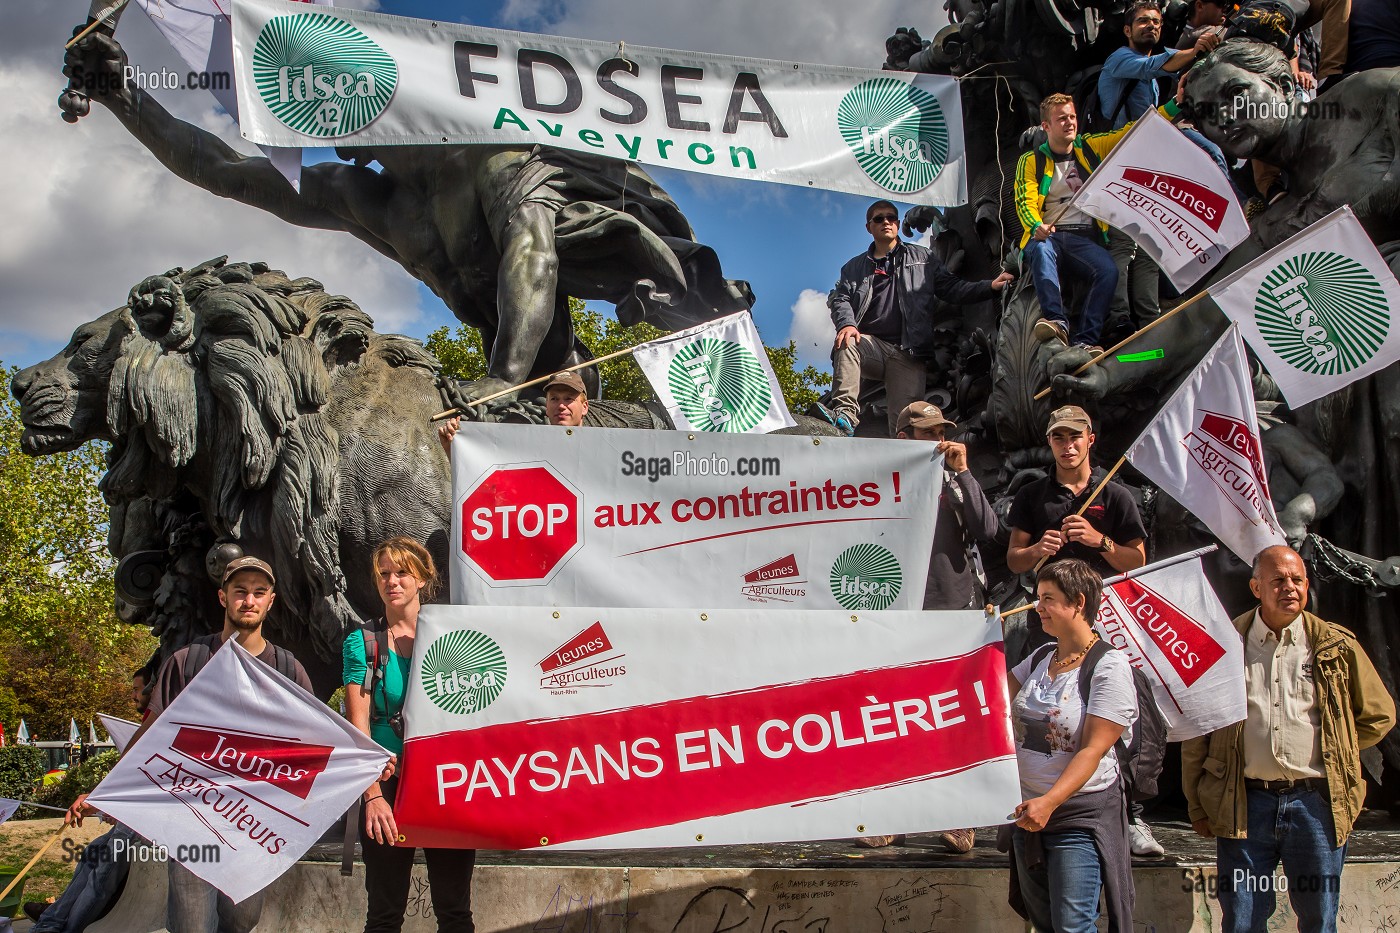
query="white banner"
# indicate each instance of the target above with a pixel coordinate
(1173, 628)
(620, 728)
(245, 770)
(1168, 195)
(200, 33)
(367, 79)
(1318, 309)
(119, 731)
(550, 516)
(716, 378)
(1203, 450)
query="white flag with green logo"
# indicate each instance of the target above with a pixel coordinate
(716, 377)
(1319, 309)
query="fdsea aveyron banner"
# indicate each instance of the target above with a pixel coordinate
(350, 78)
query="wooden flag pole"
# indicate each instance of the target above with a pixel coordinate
(451, 412)
(93, 25)
(1088, 502)
(30, 864)
(1128, 339)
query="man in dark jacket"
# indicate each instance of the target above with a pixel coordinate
(882, 307)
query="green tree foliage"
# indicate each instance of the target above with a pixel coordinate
(20, 767)
(79, 780)
(462, 357)
(63, 652)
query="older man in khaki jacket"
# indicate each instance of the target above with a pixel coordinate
(1285, 785)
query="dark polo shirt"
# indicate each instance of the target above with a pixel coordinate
(1044, 503)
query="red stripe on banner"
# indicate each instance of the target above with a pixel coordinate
(516, 785)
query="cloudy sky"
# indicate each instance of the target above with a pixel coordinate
(89, 212)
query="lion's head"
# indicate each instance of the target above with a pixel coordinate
(63, 400)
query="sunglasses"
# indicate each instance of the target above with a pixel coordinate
(884, 219)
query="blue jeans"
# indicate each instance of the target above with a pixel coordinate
(1295, 829)
(95, 885)
(1082, 258)
(1062, 895)
(196, 906)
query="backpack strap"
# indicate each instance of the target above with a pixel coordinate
(1086, 668)
(1122, 101)
(198, 654)
(284, 662)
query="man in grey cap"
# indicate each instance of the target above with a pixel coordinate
(565, 405)
(193, 904)
(955, 578)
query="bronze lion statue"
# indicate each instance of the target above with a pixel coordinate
(248, 410)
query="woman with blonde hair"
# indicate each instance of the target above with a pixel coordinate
(376, 665)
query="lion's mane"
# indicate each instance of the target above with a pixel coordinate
(223, 396)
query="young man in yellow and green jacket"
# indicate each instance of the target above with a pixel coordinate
(1053, 233)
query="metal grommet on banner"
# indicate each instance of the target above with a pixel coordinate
(860, 828)
(544, 840)
(816, 442)
(556, 615)
(402, 838)
(855, 618)
(699, 837)
(704, 617)
(691, 436)
(568, 430)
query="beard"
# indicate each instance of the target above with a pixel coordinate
(244, 623)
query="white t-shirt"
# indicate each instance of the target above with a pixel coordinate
(1048, 721)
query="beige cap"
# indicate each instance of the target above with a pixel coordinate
(248, 563)
(1070, 416)
(921, 415)
(570, 379)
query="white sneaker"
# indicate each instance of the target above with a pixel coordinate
(1142, 842)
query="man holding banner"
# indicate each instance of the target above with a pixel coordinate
(247, 594)
(882, 307)
(1286, 785)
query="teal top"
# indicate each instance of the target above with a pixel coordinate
(387, 697)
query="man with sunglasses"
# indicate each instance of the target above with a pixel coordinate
(882, 307)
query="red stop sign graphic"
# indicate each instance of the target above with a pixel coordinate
(521, 523)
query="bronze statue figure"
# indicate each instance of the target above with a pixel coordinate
(503, 235)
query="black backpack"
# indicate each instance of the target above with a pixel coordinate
(1140, 760)
(202, 649)
(1089, 106)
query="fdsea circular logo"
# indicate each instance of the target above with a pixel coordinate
(463, 672)
(320, 75)
(866, 576)
(1322, 312)
(720, 386)
(897, 132)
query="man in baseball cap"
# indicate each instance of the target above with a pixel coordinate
(565, 400)
(1044, 517)
(955, 577)
(565, 405)
(246, 593)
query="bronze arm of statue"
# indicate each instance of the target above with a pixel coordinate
(484, 227)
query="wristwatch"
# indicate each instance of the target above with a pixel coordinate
(1106, 546)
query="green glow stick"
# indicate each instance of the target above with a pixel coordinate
(1141, 357)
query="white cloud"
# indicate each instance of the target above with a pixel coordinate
(811, 329)
(91, 212)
